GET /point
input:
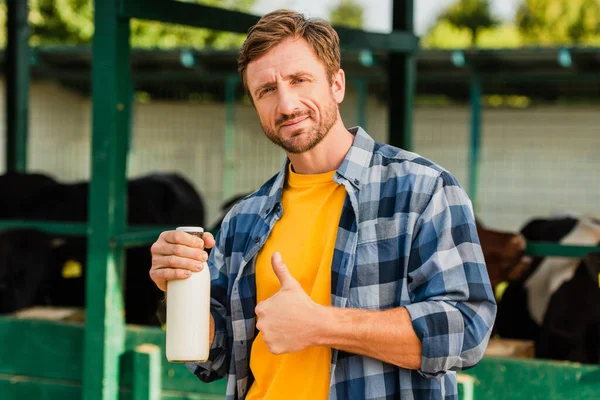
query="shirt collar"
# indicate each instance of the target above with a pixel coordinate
(352, 169)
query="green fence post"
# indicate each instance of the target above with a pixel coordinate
(362, 90)
(474, 162)
(17, 85)
(229, 140)
(146, 372)
(111, 88)
(402, 73)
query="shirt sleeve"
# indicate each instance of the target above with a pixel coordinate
(452, 303)
(219, 357)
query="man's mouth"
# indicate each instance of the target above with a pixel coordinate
(294, 122)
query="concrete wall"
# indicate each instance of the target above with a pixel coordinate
(535, 161)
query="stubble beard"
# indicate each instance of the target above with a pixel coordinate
(304, 139)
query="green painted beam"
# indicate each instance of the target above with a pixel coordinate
(13, 387)
(362, 97)
(475, 139)
(60, 228)
(549, 249)
(229, 163)
(539, 77)
(522, 379)
(134, 238)
(402, 74)
(17, 387)
(17, 85)
(202, 16)
(53, 351)
(111, 91)
(146, 372)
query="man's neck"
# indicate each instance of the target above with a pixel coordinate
(327, 155)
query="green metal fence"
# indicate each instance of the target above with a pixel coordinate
(104, 341)
(107, 360)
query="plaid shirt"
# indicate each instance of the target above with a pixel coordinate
(406, 238)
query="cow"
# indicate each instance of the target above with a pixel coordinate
(556, 303)
(504, 254)
(37, 268)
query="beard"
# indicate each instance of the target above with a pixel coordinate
(304, 139)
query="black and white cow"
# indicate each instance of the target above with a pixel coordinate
(557, 302)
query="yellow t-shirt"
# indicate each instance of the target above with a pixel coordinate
(305, 236)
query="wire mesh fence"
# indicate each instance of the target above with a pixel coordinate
(537, 157)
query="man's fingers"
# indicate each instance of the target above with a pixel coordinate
(172, 261)
(209, 240)
(162, 275)
(162, 248)
(181, 237)
(286, 279)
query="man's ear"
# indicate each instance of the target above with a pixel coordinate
(338, 86)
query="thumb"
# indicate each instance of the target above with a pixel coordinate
(286, 279)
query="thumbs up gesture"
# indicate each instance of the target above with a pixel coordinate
(287, 320)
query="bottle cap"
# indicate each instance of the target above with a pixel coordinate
(192, 230)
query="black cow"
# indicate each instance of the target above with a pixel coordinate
(557, 302)
(32, 262)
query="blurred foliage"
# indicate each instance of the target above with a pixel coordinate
(70, 22)
(347, 13)
(560, 21)
(2, 23)
(538, 22)
(447, 36)
(473, 15)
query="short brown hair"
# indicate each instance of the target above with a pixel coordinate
(277, 26)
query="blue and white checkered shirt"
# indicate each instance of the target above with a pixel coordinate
(406, 238)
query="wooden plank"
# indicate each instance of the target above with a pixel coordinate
(146, 372)
(52, 350)
(13, 387)
(510, 348)
(41, 348)
(111, 103)
(521, 379)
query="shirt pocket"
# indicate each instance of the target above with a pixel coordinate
(382, 229)
(377, 276)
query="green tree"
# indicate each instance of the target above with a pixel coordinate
(551, 22)
(347, 13)
(70, 22)
(473, 15)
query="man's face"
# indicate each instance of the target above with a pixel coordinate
(296, 102)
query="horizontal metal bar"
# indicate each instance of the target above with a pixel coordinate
(135, 238)
(549, 249)
(81, 229)
(189, 14)
(61, 228)
(541, 78)
(143, 235)
(202, 16)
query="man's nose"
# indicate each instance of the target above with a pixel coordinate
(288, 101)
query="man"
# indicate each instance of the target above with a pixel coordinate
(354, 273)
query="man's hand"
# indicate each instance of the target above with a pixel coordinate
(287, 319)
(176, 254)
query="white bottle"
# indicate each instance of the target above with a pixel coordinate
(188, 314)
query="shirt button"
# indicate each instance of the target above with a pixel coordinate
(356, 181)
(256, 239)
